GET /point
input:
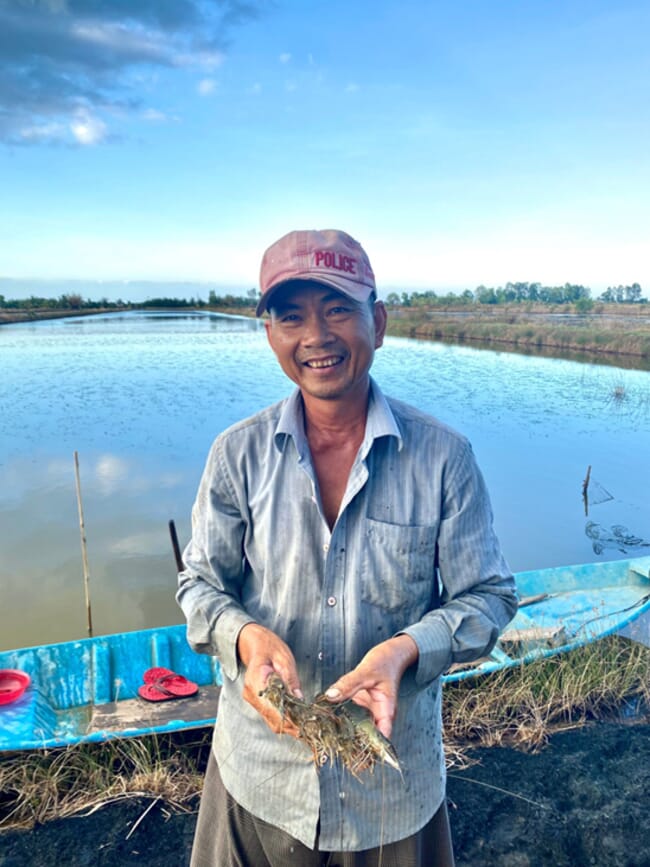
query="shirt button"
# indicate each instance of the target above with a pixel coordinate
(321, 655)
(331, 601)
(326, 547)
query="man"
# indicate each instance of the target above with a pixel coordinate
(342, 540)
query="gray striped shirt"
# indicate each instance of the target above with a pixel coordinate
(415, 508)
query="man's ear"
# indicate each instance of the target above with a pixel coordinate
(268, 327)
(381, 320)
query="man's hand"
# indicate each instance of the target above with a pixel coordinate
(263, 653)
(374, 683)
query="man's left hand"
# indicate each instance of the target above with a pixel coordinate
(374, 683)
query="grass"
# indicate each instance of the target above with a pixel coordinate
(525, 331)
(523, 706)
(519, 707)
(39, 786)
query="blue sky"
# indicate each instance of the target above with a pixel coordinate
(460, 142)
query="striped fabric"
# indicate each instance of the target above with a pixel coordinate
(227, 835)
(415, 508)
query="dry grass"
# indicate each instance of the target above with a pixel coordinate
(498, 329)
(39, 786)
(523, 706)
(518, 707)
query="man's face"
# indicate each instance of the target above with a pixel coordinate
(325, 342)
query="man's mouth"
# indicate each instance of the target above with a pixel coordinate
(320, 363)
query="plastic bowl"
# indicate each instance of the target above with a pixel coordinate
(13, 684)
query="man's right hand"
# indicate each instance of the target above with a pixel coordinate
(263, 654)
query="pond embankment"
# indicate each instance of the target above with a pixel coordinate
(9, 316)
(610, 334)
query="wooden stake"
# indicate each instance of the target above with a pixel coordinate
(84, 553)
(585, 488)
(176, 547)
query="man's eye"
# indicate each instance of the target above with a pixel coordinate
(338, 310)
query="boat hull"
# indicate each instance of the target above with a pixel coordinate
(87, 690)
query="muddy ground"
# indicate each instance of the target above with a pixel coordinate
(584, 800)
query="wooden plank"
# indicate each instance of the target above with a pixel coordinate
(138, 713)
(468, 666)
(552, 635)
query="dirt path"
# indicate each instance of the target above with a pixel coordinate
(584, 800)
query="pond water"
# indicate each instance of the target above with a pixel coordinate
(140, 397)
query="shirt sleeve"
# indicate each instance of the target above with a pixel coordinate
(209, 590)
(478, 596)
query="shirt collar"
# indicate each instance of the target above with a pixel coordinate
(380, 422)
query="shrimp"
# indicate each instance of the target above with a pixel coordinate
(345, 732)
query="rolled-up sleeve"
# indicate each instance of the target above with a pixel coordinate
(478, 589)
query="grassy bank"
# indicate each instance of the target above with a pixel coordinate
(605, 334)
(522, 706)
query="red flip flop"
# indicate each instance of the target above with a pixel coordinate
(151, 675)
(161, 684)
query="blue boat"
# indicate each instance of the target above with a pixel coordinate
(87, 690)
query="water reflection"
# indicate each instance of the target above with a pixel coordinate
(607, 359)
(141, 397)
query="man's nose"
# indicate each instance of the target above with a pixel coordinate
(317, 330)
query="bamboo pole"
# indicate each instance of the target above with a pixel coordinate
(84, 552)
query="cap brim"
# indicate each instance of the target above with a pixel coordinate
(360, 294)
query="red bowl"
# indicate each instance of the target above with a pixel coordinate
(12, 684)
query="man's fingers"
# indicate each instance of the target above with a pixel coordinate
(289, 677)
(343, 689)
(385, 726)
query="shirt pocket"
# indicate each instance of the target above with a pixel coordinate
(398, 566)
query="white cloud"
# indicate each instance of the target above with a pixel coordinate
(62, 57)
(285, 58)
(88, 130)
(352, 87)
(154, 115)
(137, 544)
(208, 60)
(43, 132)
(290, 86)
(128, 41)
(111, 474)
(256, 88)
(206, 86)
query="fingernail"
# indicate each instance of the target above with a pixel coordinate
(298, 693)
(333, 693)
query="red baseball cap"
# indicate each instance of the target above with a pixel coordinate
(325, 256)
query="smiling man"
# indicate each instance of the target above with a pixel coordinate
(342, 540)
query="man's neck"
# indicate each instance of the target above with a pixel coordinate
(332, 420)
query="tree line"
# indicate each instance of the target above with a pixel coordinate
(511, 293)
(75, 301)
(517, 293)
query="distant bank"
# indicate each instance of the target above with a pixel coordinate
(618, 334)
(9, 316)
(614, 333)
